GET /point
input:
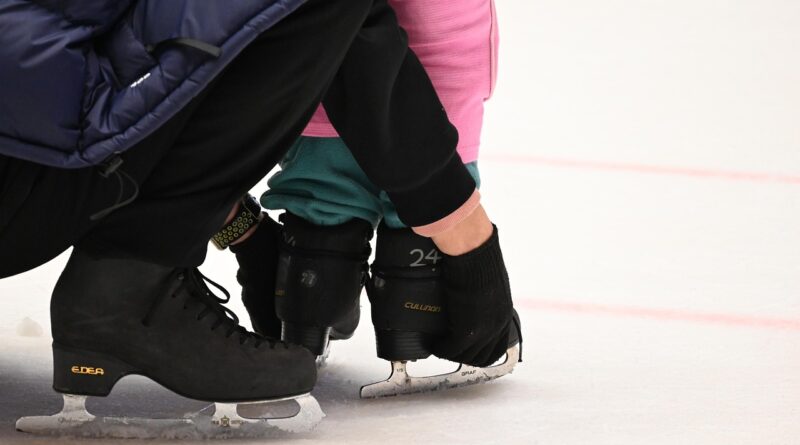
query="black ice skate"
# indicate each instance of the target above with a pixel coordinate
(321, 272)
(114, 317)
(408, 315)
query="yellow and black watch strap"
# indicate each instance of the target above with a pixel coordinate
(249, 215)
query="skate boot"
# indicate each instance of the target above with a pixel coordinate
(321, 272)
(115, 317)
(409, 315)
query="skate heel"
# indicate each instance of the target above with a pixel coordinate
(403, 345)
(313, 338)
(86, 373)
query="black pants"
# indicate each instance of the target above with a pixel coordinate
(192, 170)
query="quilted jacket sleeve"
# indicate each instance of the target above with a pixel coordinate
(44, 50)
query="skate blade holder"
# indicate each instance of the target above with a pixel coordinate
(226, 422)
(400, 382)
(322, 360)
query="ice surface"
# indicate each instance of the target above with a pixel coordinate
(29, 328)
(658, 280)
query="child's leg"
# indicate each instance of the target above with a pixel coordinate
(323, 185)
(331, 210)
(321, 182)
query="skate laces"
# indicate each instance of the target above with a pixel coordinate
(194, 282)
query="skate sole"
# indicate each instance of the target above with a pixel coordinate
(400, 382)
(226, 422)
(315, 339)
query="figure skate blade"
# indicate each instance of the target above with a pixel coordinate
(225, 422)
(400, 382)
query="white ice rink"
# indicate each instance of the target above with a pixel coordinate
(642, 160)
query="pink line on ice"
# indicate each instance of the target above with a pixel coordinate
(645, 168)
(662, 314)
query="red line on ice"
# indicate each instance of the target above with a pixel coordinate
(662, 314)
(645, 168)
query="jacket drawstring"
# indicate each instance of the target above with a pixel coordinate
(211, 50)
(111, 167)
(112, 164)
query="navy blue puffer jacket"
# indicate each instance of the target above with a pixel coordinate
(81, 80)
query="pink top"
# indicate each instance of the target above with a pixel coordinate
(457, 42)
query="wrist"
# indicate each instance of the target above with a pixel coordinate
(466, 236)
(240, 223)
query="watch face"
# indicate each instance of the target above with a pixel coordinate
(251, 205)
